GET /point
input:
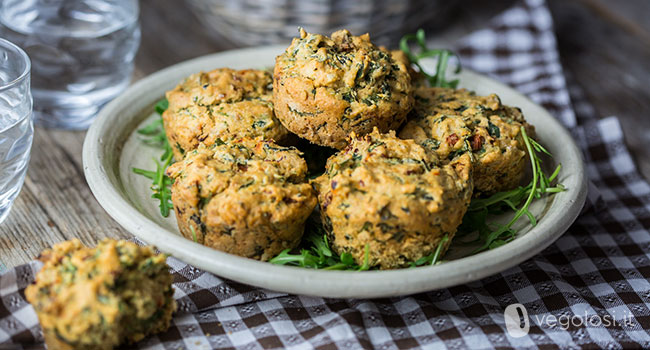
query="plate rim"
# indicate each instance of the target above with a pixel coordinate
(340, 284)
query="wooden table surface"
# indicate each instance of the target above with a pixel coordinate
(605, 46)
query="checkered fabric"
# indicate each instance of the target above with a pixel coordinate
(589, 289)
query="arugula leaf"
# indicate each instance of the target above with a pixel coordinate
(366, 260)
(517, 200)
(442, 55)
(319, 255)
(151, 129)
(193, 233)
(433, 258)
(154, 135)
(161, 106)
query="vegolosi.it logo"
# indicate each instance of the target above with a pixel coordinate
(517, 321)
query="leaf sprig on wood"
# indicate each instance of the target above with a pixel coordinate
(154, 135)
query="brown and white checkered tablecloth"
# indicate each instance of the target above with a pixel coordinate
(589, 289)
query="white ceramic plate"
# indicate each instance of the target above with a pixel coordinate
(112, 148)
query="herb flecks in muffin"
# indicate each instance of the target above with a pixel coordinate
(391, 195)
(98, 298)
(454, 122)
(325, 88)
(220, 105)
(248, 197)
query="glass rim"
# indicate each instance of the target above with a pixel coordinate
(6, 44)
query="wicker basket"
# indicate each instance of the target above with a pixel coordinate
(259, 22)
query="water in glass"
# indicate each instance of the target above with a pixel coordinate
(16, 128)
(81, 50)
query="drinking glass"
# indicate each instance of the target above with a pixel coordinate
(81, 50)
(16, 127)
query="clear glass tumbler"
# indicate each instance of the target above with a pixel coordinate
(16, 127)
(82, 53)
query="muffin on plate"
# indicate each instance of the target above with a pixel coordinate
(392, 195)
(451, 122)
(99, 298)
(324, 88)
(222, 104)
(248, 197)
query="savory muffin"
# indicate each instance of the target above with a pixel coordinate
(221, 105)
(391, 195)
(248, 197)
(324, 88)
(99, 298)
(455, 121)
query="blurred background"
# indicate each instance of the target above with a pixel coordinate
(260, 22)
(604, 45)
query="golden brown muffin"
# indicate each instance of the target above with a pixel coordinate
(326, 88)
(247, 197)
(455, 121)
(221, 105)
(391, 195)
(99, 298)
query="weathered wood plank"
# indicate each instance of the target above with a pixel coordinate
(27, 229)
